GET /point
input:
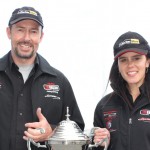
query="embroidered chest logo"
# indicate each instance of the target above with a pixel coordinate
(109, 116)
(145, 113)
(51, 89)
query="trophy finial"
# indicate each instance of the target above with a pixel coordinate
(67, 115)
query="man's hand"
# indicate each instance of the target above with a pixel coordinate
(38, 131)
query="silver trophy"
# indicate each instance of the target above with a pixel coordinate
(68, 136)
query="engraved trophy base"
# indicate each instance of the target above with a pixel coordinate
(66, 147)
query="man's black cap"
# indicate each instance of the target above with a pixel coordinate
(25, 13)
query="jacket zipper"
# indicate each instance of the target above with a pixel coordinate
(130, 120)
(130, 123)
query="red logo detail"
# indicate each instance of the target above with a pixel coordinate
(145, 112)
(109, 116)
(48, 86)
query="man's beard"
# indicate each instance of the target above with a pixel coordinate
(19, 55)
(24, 56)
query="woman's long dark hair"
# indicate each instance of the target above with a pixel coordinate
(119, 84)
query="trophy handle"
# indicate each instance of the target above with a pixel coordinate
(29, 141)
(99, 143)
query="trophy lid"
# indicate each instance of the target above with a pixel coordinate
(68, 132)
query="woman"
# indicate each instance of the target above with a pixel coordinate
(125, 112)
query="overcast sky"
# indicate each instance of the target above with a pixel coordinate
(79, 38)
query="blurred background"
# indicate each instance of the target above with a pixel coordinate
(79, 38)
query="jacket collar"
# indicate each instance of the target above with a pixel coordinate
(44, 66)
(142, 89)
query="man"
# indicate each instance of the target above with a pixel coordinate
(33, 94)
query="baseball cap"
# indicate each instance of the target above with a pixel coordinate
(130, 42)
(25, 13)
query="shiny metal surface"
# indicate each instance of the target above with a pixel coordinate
(69, 136)
(68, 132)
(66, 147)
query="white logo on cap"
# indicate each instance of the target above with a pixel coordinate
(27, 12)
(129, 41)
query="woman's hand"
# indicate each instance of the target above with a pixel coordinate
(100, 134)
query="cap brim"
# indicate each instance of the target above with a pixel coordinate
(24, 18)
(136, 50)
